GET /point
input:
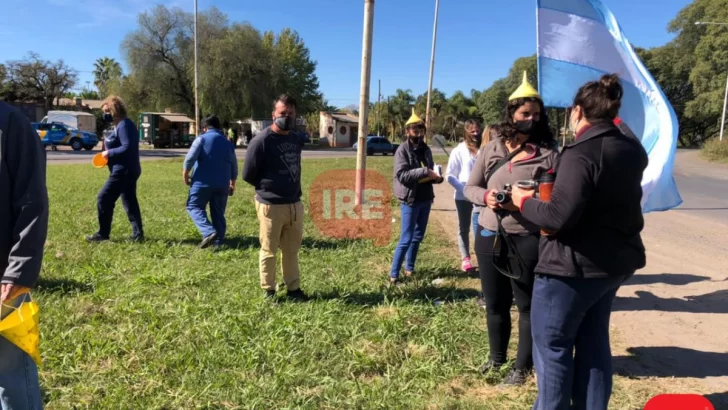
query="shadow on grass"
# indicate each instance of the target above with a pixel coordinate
(663, 361)
(248, 242)
(429, 274)
(63, 286)
(423, 294)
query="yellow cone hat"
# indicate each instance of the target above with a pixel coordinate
(21, 329)
(414, 119)
(525, 90)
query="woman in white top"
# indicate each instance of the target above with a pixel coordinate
(459, 166)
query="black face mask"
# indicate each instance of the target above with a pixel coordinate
(415, 141)
(526, 127)
(284, 123)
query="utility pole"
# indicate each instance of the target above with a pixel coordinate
(366, 69)
(432, 68)
(197, 107)
(379, 106)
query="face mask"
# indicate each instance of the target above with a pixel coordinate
(525, 127)
(283, 123)
(107, 117)
(415, 140)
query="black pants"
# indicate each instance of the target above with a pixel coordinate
(499, 291)
(120, 183)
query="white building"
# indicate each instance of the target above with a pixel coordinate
(338, 129)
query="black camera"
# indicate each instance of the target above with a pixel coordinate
(503, 197)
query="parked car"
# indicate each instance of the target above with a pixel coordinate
(56, 133)
(378, 145)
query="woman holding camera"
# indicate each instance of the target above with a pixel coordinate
(507, 246)
(594, 219)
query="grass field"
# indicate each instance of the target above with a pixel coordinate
(164, 325)
(715, 150)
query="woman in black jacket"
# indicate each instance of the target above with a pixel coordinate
(594, 220)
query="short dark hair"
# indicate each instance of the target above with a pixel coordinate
(600, 100)
(286, 100)
(211, 121)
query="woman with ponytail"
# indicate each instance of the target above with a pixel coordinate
(594, 220)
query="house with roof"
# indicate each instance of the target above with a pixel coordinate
(338, 129)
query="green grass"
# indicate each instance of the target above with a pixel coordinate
(164, 325)
(715, 150)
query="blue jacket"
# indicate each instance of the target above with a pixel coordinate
(23, 199)
(213, 158)
(123, 148)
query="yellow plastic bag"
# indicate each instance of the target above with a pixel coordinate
(21, 328)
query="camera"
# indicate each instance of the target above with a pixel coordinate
(503, 197)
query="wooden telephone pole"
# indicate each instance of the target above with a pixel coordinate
(366, 70)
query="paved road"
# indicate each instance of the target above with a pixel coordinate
(67, 156)
(702, 185)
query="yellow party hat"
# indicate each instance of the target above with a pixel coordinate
(525, 90)
(21, 329)
(414, 119)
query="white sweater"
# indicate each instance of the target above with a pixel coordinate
(458, 169)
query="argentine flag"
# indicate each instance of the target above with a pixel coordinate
(579, 41)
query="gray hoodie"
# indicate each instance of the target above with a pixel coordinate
(23, 199)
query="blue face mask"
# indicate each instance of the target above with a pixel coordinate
(108, 118)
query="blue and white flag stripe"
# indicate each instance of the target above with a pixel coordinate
(579, 41)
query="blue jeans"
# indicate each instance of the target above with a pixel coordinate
(197, 203)
(414, 223)
(571, 352)
(465, 212)
(19, 386)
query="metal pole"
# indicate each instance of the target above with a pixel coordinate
(432, 68)
(725, 102)
(366, 69)
(197, 107)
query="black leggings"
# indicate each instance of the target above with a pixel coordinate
(499, 291)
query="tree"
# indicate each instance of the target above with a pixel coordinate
(35, 79)
(106, 70)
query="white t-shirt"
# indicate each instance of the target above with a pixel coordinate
(458, 169)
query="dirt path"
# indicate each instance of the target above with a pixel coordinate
(670, 321)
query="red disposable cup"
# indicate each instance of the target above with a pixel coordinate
(545, 187)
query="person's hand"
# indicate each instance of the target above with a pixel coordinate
(519, 194)
(490, 201)
(186, 177)
(432, 174)
(232, 188)
(10, 291)
(105, 154)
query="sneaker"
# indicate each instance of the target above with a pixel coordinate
(394, 282)
(270, 294)
(480, 302)
(137, 238)
(466, 265)
(208, 240)
(489, 366)
(408, 273)
(96, 238)
(516, 377)
(298, 295)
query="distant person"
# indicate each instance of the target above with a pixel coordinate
(595, 219)
(507, 247)
(122, 152)
(212, 159)
(414, 175)
(23, 230)
(233, 136)
(459, 166)
(273, 166)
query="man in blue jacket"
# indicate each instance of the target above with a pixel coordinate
(23, 229)
(212, 157)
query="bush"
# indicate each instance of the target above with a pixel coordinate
(715, 150)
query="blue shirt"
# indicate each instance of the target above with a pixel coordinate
(212, 156)
(123, 147)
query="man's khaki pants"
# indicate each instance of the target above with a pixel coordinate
(281, 226)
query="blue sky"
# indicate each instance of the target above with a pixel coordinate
(477, 39)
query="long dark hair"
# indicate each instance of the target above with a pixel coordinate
(471, 141)
(542, 135)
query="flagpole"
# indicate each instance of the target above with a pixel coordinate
(432, 68)
(197, 107)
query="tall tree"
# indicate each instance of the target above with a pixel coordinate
(106, 70)
(39, 80)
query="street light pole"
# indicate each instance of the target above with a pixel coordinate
(725, 98)
(432, 68)
(197, 107)
(366, 71)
